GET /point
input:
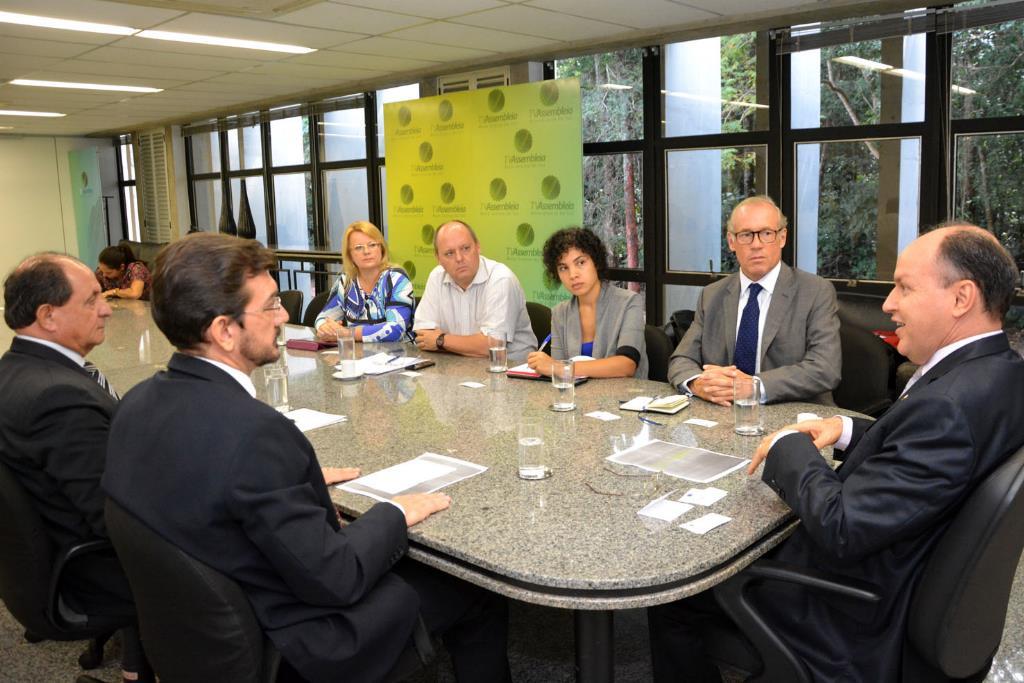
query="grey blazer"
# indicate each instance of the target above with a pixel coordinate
(620, 322)
(800, 353)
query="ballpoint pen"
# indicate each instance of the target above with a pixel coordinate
(544, 343)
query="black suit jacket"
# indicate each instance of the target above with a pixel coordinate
(235, 484)
(880, 514)
(54, 420)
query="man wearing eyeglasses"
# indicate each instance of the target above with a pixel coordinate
(468, 298)
(768, 320)
(235, 484)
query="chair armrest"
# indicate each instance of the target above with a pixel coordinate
(60, 563)
(773, 570)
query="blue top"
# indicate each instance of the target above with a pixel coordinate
(587, 348)
(385, 313)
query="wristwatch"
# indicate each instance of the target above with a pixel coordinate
(439, 342)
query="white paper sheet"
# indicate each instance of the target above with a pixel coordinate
(307, 419)
(398, 478)
(472, 385)
(704, 524)
(664, 509)
(705, 497)
(701, 423)
(604, 416)
(426, 473)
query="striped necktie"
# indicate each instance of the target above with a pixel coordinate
(95, 373)
(745, 355)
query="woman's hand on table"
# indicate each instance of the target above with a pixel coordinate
(328, 330)
(539, 362)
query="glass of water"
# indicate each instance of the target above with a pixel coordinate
(563, 378)
(498, 354)
(276, 378)
(531, 451)
(747, 393)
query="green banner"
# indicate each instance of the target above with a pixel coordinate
(86, 197)
(506, 160)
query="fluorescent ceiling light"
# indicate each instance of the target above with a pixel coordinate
(82, 86)
(906, 73)
(713, 100)
(961, 90)
(66, 24)
(15, 112)
(615, 86)
(862, 63)
(6, 127)
(224, 42)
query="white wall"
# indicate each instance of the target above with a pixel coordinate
(36, 206)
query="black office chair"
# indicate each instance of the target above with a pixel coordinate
(291, 299)
(31, 571)
(678, 323)
(958, 609)
(315, 306)
(540, 320)
(659, 348)
(869, 370)
(197, 623)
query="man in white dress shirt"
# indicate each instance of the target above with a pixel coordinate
(468, 298)
(787, 334)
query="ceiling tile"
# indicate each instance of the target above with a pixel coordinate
(17, 66)
(117, 13)
(55, 73)
(539, 22)
(253, 29)
(120, 70)
(338, 17)
(48, 34)
(635, 13)
(307, 71)
(436, 9)
(357, 61)
(388, 47)
(169, 60)
(42, 48)
(194, 49)
(445, 33)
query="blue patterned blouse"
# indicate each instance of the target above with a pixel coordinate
(385, 314)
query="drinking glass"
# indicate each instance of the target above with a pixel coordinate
(531, 451)
(747, 393)
(563, 380)
(276, 378)
(347, 362)
(498, 354)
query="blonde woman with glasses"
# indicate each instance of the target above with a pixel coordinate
(372, 297)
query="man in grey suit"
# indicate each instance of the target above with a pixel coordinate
(787, 333)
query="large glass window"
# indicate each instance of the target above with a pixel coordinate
(245, 148)
(289, 141)
(703, 186)
(293, 206)
(988, 188)
(254, 197)
(346, 200)
(857, 205)
(715, 85)
(343, 135)
(129, 191)
(397, 94)
(988, 71)
(205, 153)
(208, 201)
(854, 84)
(611, 87)
(613, 205)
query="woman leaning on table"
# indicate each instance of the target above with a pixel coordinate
(371, 297)
(121, 275)
(600, 320)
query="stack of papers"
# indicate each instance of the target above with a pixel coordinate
(307, 419)
(425, 474)
(380, 363)
(670, 405)
(685, 462)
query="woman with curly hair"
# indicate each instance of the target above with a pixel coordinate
(372, 296)
(601, 320)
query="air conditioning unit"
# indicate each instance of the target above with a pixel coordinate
(488, 78)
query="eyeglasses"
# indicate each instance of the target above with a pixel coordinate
(363, 248)
(272, 305)
(766, 235)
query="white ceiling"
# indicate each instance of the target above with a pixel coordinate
(361, 44)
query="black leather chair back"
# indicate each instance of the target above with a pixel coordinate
(26, 557)
(291, 299)
(659, 348)
(959, 607)
(196, 623)
(540, 321)
(315, 306)
(869, 370)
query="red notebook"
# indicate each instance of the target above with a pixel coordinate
(309, 344)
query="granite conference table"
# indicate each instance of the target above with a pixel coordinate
(572, 541)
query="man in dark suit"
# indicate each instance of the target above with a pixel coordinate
(235, 484)
(55, 413)
(768, 320)
(878, 516)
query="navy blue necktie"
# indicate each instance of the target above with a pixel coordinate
(745, 357)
